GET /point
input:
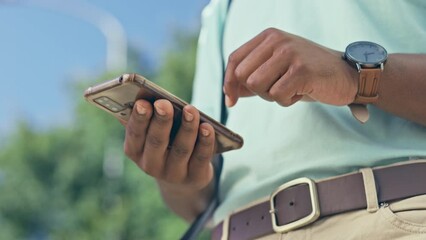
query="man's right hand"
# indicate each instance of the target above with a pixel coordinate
(186, 165)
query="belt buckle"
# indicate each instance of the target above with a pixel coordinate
(314, 215)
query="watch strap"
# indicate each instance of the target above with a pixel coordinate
(360, 112)
(368, 85)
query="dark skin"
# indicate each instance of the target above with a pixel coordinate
(285, 68)
(276, 66)
(184, 171)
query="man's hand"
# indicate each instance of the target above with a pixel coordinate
(285, 68)
(185, 166)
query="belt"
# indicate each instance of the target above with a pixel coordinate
(302, 201)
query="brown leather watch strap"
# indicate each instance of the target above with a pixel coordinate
(368, 86)
(360, 112)
(369, 79)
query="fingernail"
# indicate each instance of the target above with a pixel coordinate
(188, 116)
(160, 111)
(205, 132)
(228, 101)
(140, 109)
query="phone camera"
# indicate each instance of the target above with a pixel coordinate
(109, 104)
(129, 105)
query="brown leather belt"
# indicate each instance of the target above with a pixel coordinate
(302, 201)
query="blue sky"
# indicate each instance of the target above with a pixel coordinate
(42, 50)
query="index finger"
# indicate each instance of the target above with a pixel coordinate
(231, 85)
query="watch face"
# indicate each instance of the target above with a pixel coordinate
(366, 53)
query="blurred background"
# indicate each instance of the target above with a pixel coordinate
(63, 174)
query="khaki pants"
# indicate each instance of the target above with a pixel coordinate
(403, 219)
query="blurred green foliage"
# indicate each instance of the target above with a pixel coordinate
(74, 182)
(177, 72)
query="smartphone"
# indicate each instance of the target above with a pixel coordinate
(117, 97)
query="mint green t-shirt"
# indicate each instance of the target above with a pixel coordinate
(307, 139)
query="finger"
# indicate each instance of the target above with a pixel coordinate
(288, 89)
(231, 84)
(258, 56)
(243, 91)
(123, 122)
(136, 129)
(157, 139)
(200, 167)
(261, 80)
(183, 146)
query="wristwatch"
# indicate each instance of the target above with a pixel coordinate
(369, 59)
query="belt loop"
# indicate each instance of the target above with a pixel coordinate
(225, 228)
(370, 190)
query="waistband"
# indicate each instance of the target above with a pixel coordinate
(302, 201)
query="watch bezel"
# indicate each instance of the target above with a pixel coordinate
(360, 63)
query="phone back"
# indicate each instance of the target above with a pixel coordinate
(117, 97)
